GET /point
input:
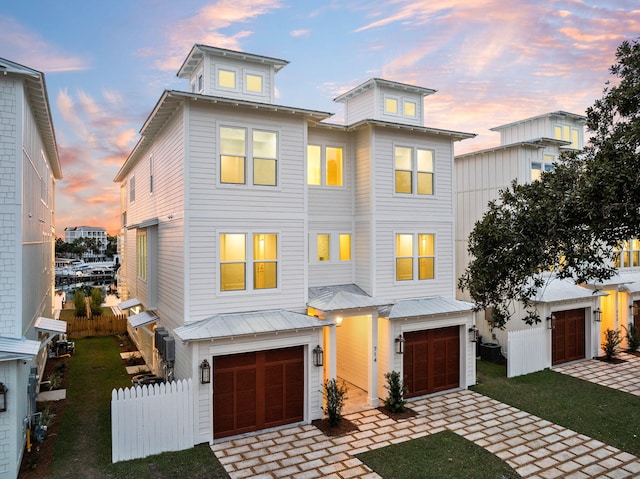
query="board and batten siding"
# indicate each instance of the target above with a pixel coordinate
(527, 130)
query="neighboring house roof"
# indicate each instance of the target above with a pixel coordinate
(428, 306)
(341, 297)
(561, 114)
(198, 51)
(229, 325)
(628, 281)
(14, 348)
(555, 290)
(538, 143)
(171, 100)
(381, 82)
(85, 228)
(36, 90)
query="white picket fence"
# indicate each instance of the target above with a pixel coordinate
(151, 419)
(527, 351)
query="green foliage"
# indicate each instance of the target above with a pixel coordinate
(633, 337)
(96, 301)
(396, 388)
(335, 396)
(611, 343)
(573, 218)
(79, 303)
(45, 418)
(55, 381)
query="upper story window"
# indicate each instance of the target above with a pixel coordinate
(234, 145)
(328, 172)
(253, 83)
(261, 272)
(567, 133)
(628, 254)
(132, 189)
(414, 170)
(537, 168)
(141, 254)
(391, 105)
(227, 79)
(409, 108)
(415, 256)
(200, 83)
(332, 246)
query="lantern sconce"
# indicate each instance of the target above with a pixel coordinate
(400, 344)
(597, 315)
(205, 372)
(634, 309)
(318, 356)
(3, 397)
(473, 334)
(550, 319)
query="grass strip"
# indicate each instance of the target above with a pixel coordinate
(603, 413)
(444, 455)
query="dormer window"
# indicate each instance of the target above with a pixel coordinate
(200, 83)
(253, 83)
(567, 133)
(227, 79)
(391, 105)
(409, 108)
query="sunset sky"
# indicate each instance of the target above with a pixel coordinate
(491, 62)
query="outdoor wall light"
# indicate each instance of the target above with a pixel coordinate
(473, 334)
(318, 356)
(597, 315)
(550, 319)
(400, 344)
(3, 397)
(205, 372)
(634, 308)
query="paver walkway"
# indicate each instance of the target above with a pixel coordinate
(534, 447)
(624, 376)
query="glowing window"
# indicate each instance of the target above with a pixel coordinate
(424, 160)
(407, 170)
(575, 138)
(404, 257)
(409, 108)
(265, 158)
(334, 166)
(426, 256)
(265, 261)
(345, 247)
(404, 170)
(232, 262)
(415, 253)
(314, 165)
(254, 83)
(232, 155)
(536, 171)
(324, 247)
(226, 78)
(391, 105)
(141, 255)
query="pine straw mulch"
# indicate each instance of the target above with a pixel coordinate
(406, 414)
(344, 427)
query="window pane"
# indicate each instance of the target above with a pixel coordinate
(265, 247)
(566, 132)
(403, 181)
(409, 108)
(574, 138)
(232, 169)
(345, 247)
(232, 247)
(536, 171)
(391, 105)
(264, 172)
(425, 183)
(323, 248)
(403, 158)
(425, 268)
(233, 141)
(334, 166)
(265, 275)
(426, 245)
(404, 245)
(313, 165)
(254, 83)
(557, 132)
(227, 78)
(265, 144)
(232, 276)
(425, 160)
(404, 269)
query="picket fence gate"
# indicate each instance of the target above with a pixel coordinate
(527, 351)
(151, 419)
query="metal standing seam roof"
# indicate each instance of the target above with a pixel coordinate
(14, 348)
(141, 319)
(340, 297)
(248, 324)
(429, 306)
(556, 290)
(629, 281)
(129, 303)
(51, 325)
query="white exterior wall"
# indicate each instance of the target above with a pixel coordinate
(360, 107)
(401, 96)
(211, 65)
(527, 130)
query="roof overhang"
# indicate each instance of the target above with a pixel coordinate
(142, 319)
(12, 348)
(555, 114)
(373, 82)
(345, 297)
(454, 135)
(48, 325)
(144, 224)
(129, 303)
(426, 307)
(557, 290)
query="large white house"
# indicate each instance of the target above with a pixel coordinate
(30, 165)
(570, 329)
(259, 238)
(97, 233)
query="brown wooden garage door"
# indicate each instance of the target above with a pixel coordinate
(567, 339)
(432, 360)
(258, 390)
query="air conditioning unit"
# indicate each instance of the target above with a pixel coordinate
(159, 335)
(169, 350)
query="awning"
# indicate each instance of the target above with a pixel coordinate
(341, 297)
(13, 348)
(129, 303)
(557, 290)
(48, 325)
(628, 281)
(428, 306)
(142, 319)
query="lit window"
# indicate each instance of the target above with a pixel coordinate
(324, 247)
(404, 173)
(566, 133)
(391, 105)
(265, 261)
(415, 253)
(345, 247)
(132, 189)
(575, 142)
(232, 262)
(628, 254)
(405, 169)
(536, 171)
(254, 83)
(226, 79)
(141, 255)
(409, 108)
(331, 170)
(425, 171)
(265, 158)
(232, 155)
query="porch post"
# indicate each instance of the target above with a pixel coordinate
(372, 380)
(332, 359)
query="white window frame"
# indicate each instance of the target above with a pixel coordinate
(132, 189)
(415, 265)
(399, 105)
(261, 75)
(334, 247)
(227, 69)
(414, 172)
(142, 255)
(323, 164)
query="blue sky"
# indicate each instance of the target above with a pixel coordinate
(491, 62)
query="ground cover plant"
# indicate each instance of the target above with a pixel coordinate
(605, 414)
(444, 455)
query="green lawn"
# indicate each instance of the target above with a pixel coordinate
(83, 444)
(606, 414)
(444, 455)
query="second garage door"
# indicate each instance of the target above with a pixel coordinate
(567, 339)
(431, 360)
(257, 390)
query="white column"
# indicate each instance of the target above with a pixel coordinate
(372, 380)
(333, 354)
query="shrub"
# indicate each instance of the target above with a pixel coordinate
(395, 401)
(79, 303)
(633, 337)
(334, 396)
(611, 343)
(96, 302)
(55, 381)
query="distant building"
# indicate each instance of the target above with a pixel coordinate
(30, 166)
(97, 232)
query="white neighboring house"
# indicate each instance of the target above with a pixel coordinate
(98, 233)
(570, 329)
(30, 167)
(255, 236)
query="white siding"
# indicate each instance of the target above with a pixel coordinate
(360, 107)
(401, 96)
(352, 350)
(241, 68)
